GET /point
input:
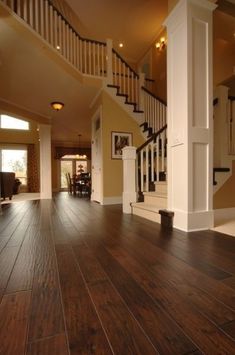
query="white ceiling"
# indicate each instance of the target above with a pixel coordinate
(136, 23)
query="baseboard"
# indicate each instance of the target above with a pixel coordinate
(113, 200)
(224, 214)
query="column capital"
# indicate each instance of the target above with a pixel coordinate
(129, 153)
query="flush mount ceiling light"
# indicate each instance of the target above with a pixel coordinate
(57, 105)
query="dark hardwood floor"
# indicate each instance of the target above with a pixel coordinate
(80, 278)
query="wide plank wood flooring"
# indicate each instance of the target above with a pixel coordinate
(80, 278)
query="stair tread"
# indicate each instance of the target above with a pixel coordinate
(160, 182)
(156, 194)
(147, 206)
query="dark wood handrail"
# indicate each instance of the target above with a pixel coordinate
(123, 61)
(154, 136)
(232, 98)
(72, 28)
(154, 96)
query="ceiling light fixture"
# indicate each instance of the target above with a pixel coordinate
(120, 44)
(58, 47)
(57, 105)
(161, 44)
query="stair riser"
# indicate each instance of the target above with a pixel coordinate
(157, 201)
(161, 188)
(151, 216)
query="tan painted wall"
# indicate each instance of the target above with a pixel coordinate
(114, 118)
(225, 197)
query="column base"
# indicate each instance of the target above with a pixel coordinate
(193, 221)
(127, 199)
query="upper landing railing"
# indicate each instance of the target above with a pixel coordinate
(90, 57)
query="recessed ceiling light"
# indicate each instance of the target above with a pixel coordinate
(120, 44)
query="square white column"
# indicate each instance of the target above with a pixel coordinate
(129, 178)
(45, 161)
(190, 120)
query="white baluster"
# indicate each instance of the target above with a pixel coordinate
(89, 57)
(98, 59)
(142, 170)
(80, 55)
(31, 6)
(25, 11)
(152, 161)
(94, 58)
(36, 14)
(157, 158)
(42, 17)
(55, 29)
(46, 21)
(163, 148)
(103, 68)
(124, 78)
(51, 23)
(109, 60)
(147, 168)
(85, 56)
(19, 8)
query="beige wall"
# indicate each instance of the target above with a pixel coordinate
(225, 197)
(114, 118)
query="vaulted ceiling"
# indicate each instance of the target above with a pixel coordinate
(31, 79)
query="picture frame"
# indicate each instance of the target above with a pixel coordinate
(120, 140)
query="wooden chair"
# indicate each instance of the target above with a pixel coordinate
(71, 186)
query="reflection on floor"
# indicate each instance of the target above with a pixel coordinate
(24, 196)
(226, 227)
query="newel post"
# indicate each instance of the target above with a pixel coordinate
(109, 59)
(129, 178)
(141, 94)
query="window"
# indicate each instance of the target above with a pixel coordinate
(70, 164)
(14, 160)
(13, 123)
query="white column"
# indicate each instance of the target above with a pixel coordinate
(221, 141)
(129, 178)
(190, 110)
(45, 161)
(109, 59)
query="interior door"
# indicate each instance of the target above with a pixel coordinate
(96, 162)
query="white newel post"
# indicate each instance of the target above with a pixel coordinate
(141, 95)
(221, 141)
(190, 114)
(129, 178)
(45, 161)
(109, 58)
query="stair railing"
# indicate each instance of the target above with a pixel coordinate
(151, 160)
(231, 124)
(90, 57)
(155, 110)
(125, 78)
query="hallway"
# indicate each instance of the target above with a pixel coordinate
(80, 278)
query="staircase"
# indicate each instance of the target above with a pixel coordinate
(100, 61)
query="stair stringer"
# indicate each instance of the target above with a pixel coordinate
(120, 100)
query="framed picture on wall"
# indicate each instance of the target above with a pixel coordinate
(120, 140)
